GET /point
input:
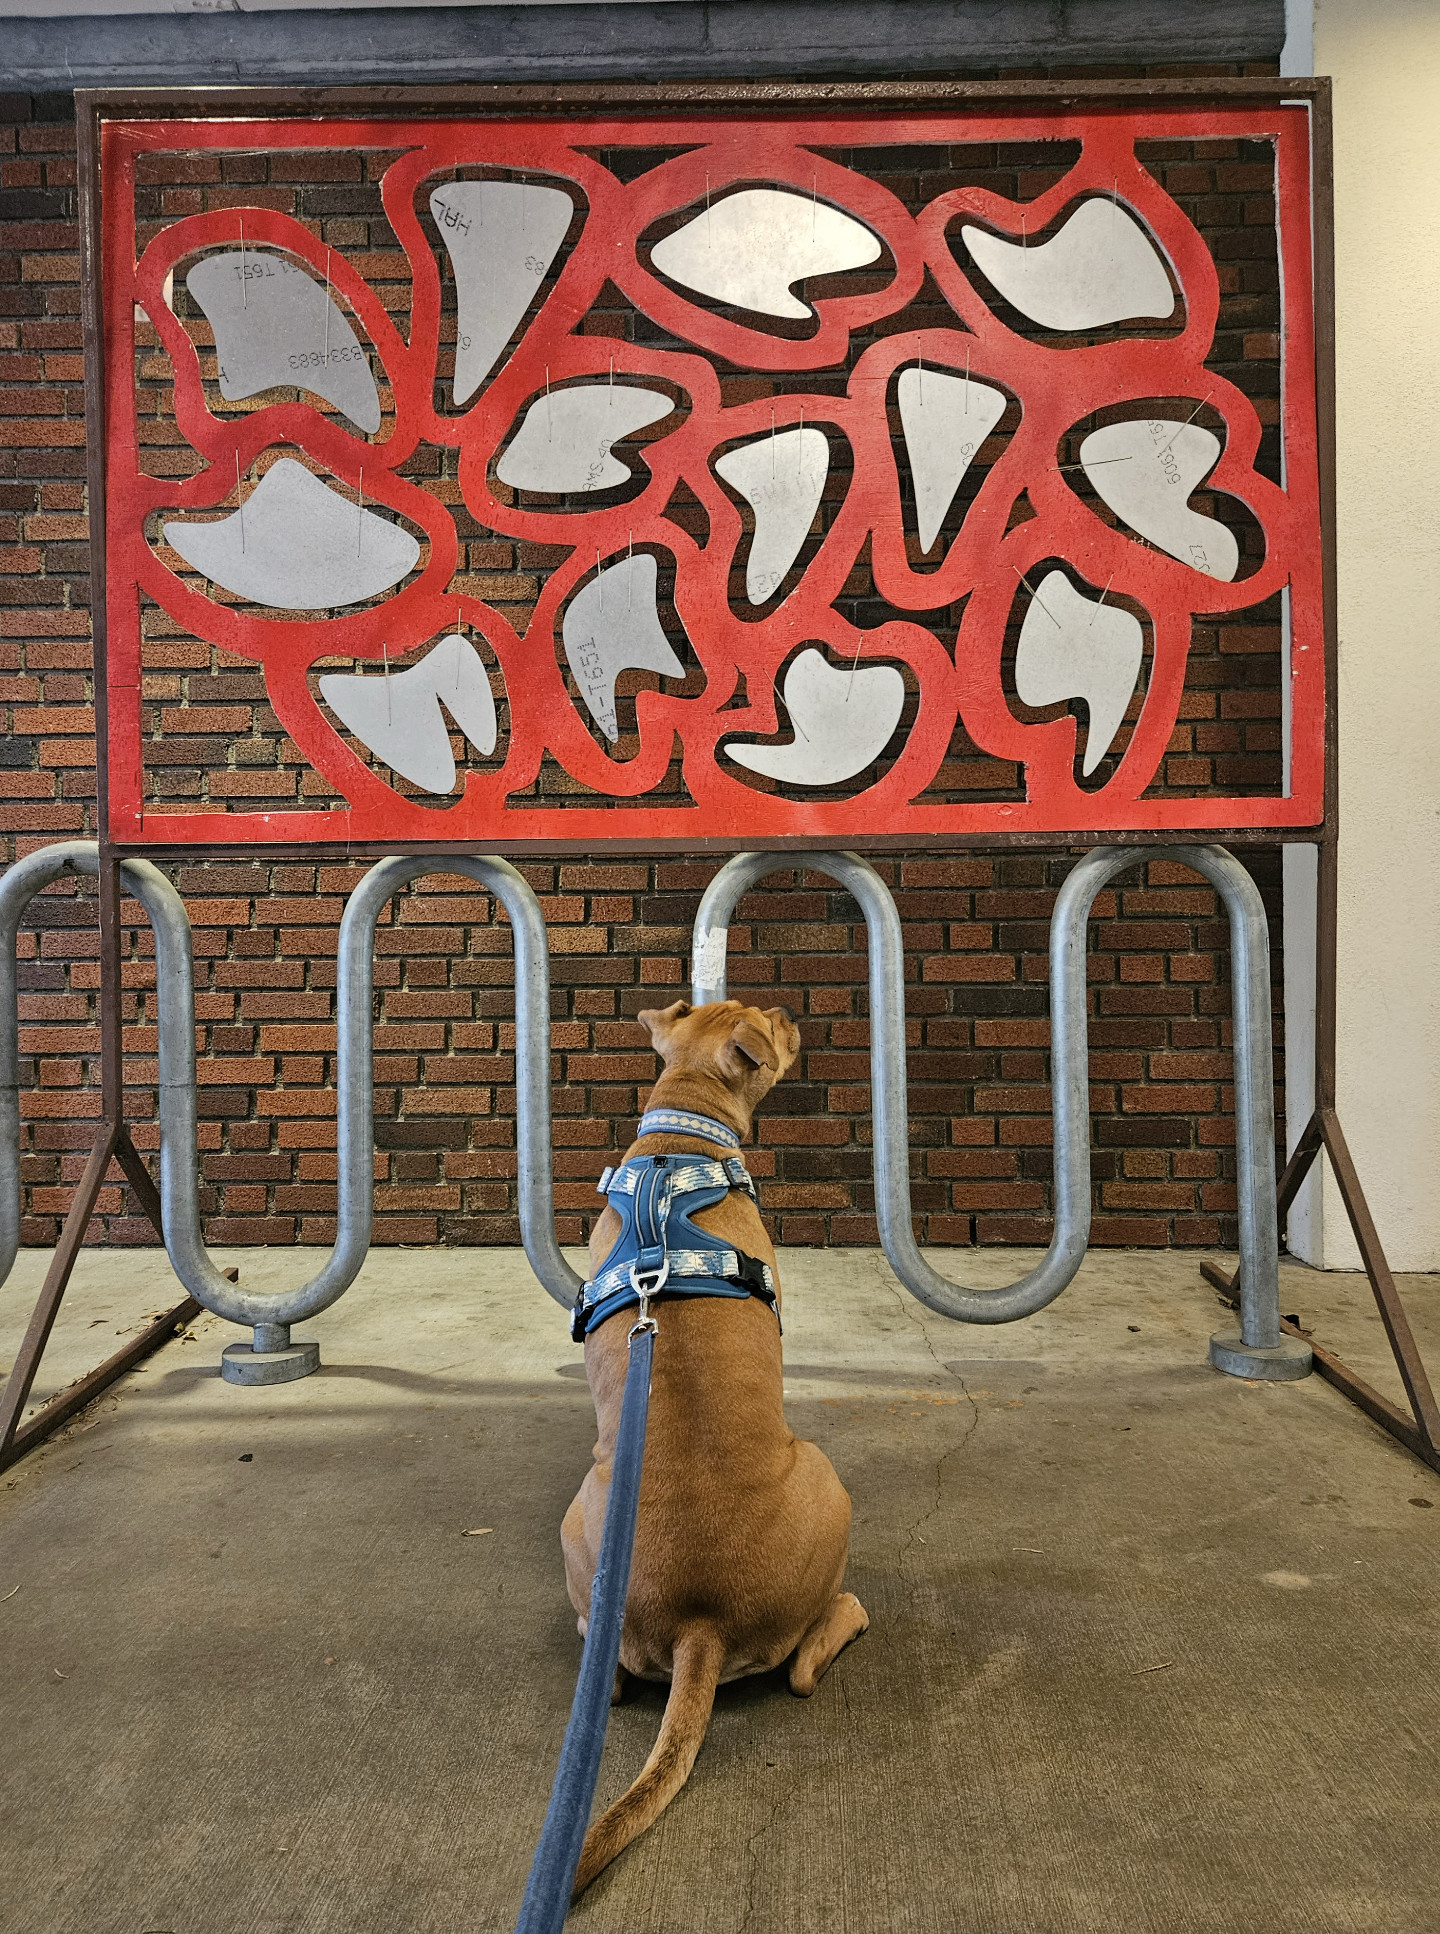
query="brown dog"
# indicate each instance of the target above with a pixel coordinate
(744, 1529)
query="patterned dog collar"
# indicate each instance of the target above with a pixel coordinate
(679, 1121)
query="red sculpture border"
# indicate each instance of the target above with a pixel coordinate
(1058, 388)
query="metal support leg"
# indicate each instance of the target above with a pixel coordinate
(1259, 1350)
(112, 1142)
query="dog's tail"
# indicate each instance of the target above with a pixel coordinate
(699, 1656)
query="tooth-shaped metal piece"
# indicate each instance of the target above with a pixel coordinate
(945, 420)
(843, 720)
(501, 237)
(276, 325)
(564, 443)
(1071, 647)
(1145, 470)
(613, 625)
(750, 247)
(297, 544)
(399, 716)
(782, 478)
(1100, 267)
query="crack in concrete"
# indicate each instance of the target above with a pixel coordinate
(913, 1532)
(751, 1847)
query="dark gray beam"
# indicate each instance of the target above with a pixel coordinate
(670, 39)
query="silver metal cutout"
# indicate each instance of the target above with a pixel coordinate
(1073, 648)
(613, 625)
(275, 326)
(297, 544)
(1145, 470)
(501, 237)
(843, 721)
(399, 717)
(1099, 267)
(945, 420)
(750, 247)
(563, 445)
(782, 478)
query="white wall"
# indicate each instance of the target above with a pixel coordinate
(1384, 57)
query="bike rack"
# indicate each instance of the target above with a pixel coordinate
(271, 1357)
(1259, 1350)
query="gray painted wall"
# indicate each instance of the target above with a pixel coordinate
(674, 39)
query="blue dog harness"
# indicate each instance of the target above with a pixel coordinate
(660, 1251)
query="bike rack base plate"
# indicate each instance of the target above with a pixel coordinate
(1279, 1363)
(240, 1363)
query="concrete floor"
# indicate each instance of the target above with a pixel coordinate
(1150, 1649)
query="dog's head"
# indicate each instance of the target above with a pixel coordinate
(747, 1049)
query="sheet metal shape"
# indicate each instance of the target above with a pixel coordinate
(750, 247)
(1074, 647)
(297, 544)
(782, 478)
(613, 625)
(501, 237)
(945, 420)
(1145, 470)
(399, 716)
(563, 445)
(1099, 267)
(843, 721)
(276, 325)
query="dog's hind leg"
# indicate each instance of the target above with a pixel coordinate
(622, 1679)
(843, 1619)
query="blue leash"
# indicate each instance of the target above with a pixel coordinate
(547, 1892)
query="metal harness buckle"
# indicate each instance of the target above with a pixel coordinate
(645, 1291)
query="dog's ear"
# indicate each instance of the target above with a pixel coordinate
(659, 1021)
(786, 1033)
(750, 1047)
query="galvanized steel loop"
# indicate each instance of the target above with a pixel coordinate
(1069, 1055)
(270, 1312)
(18, 888)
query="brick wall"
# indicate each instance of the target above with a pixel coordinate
(975, 926)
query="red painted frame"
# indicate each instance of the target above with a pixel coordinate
(1057, 388)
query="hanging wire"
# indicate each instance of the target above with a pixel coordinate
(853, 663)
(1036, 595)
(1188, 421)
(793, 720)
